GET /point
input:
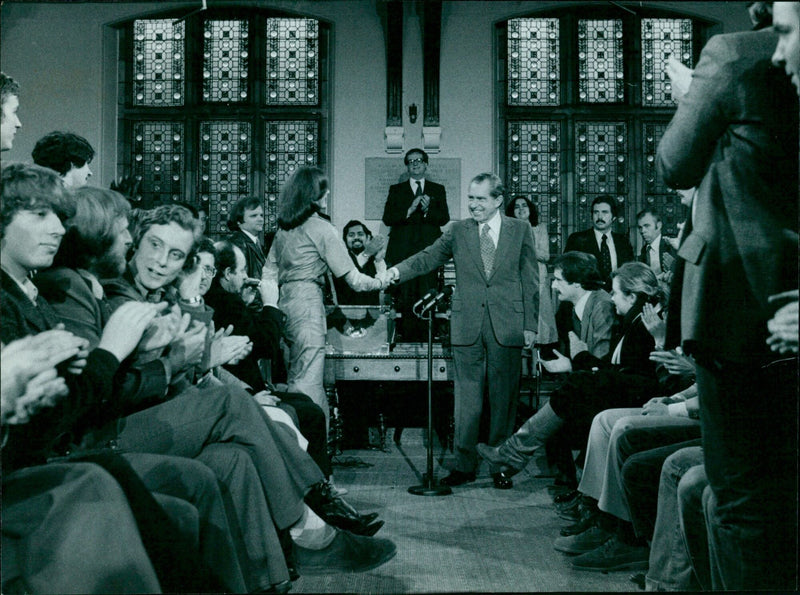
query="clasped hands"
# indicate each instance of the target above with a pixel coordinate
(422, 201)
(387, 277)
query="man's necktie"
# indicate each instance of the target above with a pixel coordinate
(605, 258)
(419, 189)
(487, 250)
(648, 255)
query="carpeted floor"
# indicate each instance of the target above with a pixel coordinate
(478, 539)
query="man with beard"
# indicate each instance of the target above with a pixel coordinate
(611, 249)
(367, 254)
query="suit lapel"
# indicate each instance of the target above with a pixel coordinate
(503, 243)
(470, 229)
(38, 318)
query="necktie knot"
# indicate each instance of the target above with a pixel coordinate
(419, 188)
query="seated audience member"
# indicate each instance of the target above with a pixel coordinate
(9, 103)
(522, 208)
(66, 153)
(202, 218)
(622, 378)
(164, 242)
(31, 233)
(246, 222)
(263, 327)
(367, 254)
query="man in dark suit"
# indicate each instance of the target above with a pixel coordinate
(735, 136)
(657, 253)
(366, 253)
(495, 312)
(611, 249)
(415, 210)
(246, 222)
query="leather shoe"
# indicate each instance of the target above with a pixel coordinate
(492, 455)
(584, 524)
(346, 553)
(502, 481)
(566, 497)
(337, 512)
(457, 478)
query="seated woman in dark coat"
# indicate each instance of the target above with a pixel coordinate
(623, 378)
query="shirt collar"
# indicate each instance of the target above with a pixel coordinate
(598, 235)
(413, 183)
(656, 243)
(94, 283)
(493, 223)
(26, 285)
(580, 305)
(249, 235)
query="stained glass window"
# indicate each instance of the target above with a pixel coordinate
(601, 168)
(600, 61)
(533, 62)
(158, 62)
(292, 68)
(662, 38)
(225, 57)
(157, 158)
(657, 195)
(534, 169)
(225, 168)
(289, 144)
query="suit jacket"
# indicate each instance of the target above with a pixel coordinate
(597, 324)
(510, 292)
(735, 137)
(410, 235)
(90, 401)
(664, 247)
(584, 241)
(253, 253)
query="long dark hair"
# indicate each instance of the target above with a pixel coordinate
(533, 212)
(299, 196)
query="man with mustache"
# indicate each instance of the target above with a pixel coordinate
(611, 249)
(367, 254)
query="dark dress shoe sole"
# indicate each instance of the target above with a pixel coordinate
(502, 482)
(346, 553)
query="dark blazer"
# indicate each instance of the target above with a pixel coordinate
(253, 253)
(263, 327)
(410, 235)
(664, 247)
(596, 327)
(735, 137)
(584, 241)
(634, 357)
(90, 400)
(510, 292)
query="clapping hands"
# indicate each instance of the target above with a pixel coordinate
(654, 324)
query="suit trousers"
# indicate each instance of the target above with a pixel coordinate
(67, 528)
(488, 364)
(670, 567)
(749, 417)
(602, 471)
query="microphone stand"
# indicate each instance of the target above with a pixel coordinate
(429, 485)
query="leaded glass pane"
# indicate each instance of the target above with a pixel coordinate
(534, 169)
(289, 144)
(662, 38)
(533, 62)
(157, 156)
(292, 61)
(225, 56)
(657, 195)
(158, 62)
(600, 64)
(225, 169)
(601, 150)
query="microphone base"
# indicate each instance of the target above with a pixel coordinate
(430, 490)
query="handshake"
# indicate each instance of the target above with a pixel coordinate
(387, 277)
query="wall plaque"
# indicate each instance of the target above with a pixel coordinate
(382, 172)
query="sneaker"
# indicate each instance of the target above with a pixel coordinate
(346, 553)
(582, 542)
(613, 555)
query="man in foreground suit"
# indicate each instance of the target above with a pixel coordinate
(495, 312)
(734, 135)
(415, 210)
(611, 249)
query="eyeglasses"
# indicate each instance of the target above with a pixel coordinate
(210, 271)
(415, 161)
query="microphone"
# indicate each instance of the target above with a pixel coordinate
(446, 292)
(431, 293)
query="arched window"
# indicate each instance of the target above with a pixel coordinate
(583, 101)
(220, 105)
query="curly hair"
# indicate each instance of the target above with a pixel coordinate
(533, 211)
(299, 196)
(355, 223)
(164, 215)
(61, 151)
(91, 231)
(25, 187)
